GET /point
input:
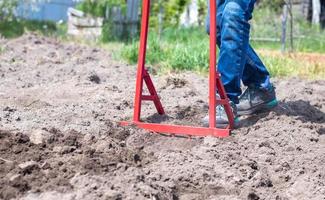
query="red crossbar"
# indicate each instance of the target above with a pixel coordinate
(215, 85)
(180, 130)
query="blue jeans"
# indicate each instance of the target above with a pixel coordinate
(237, 59)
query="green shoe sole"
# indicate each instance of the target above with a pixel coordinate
(272, 104)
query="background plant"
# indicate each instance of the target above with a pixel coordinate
(275, 5)
(170, 10)
(7, 9)
(97, 8)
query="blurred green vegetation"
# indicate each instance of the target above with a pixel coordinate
(172, 10)
(178, 48)
(266, 23)
(187, 48)
(7, 9)
(304, 65)
(274, 5)
(16, 28)
(98, 8)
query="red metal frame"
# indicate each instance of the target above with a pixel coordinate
(215, 84)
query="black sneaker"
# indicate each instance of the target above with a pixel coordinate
(256, 99)
(221, 117)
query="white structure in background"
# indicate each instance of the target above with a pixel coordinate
(84, 26)
(190, 16)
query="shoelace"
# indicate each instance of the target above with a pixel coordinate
(248, 94)
(219, 108)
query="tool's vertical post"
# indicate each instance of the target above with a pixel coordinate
(213, 62)
(141, 59)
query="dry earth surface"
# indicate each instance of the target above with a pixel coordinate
(59, 138)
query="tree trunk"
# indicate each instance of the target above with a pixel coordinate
(322, 15)
(316, 12)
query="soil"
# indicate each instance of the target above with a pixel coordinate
(60, 104)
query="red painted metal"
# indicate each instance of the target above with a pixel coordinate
(180, 130)
(213, 62)
(215, 84)
(153, 93)
(141, 59)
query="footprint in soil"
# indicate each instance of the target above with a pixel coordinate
(175, 82)
(157, 118)
(186, 112)
(253, 196)
(123, 105)
(94, 78)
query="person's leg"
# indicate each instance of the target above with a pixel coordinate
(237, 59)
(220, 4)
(255, 71)
(260, 93)
(234, 44)
(221, 116)
(232, 39)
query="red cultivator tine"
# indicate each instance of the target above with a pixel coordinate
(141, 59)
(213, 62)
(215, 84)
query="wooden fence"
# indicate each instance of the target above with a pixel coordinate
(122, 24)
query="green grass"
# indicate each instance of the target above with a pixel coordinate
(188, 49)
(306, 65)
(307, 45)
(180, 49)
(267, 24)
(16, 28)
(177, 49)
(279, 67)
(312, 42)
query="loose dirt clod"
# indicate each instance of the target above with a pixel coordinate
(39, 136)
(94, 78)
(28, 166)
(67, 143)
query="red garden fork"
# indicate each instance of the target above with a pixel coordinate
(215, 85)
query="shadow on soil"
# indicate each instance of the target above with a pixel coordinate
(301, 110)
